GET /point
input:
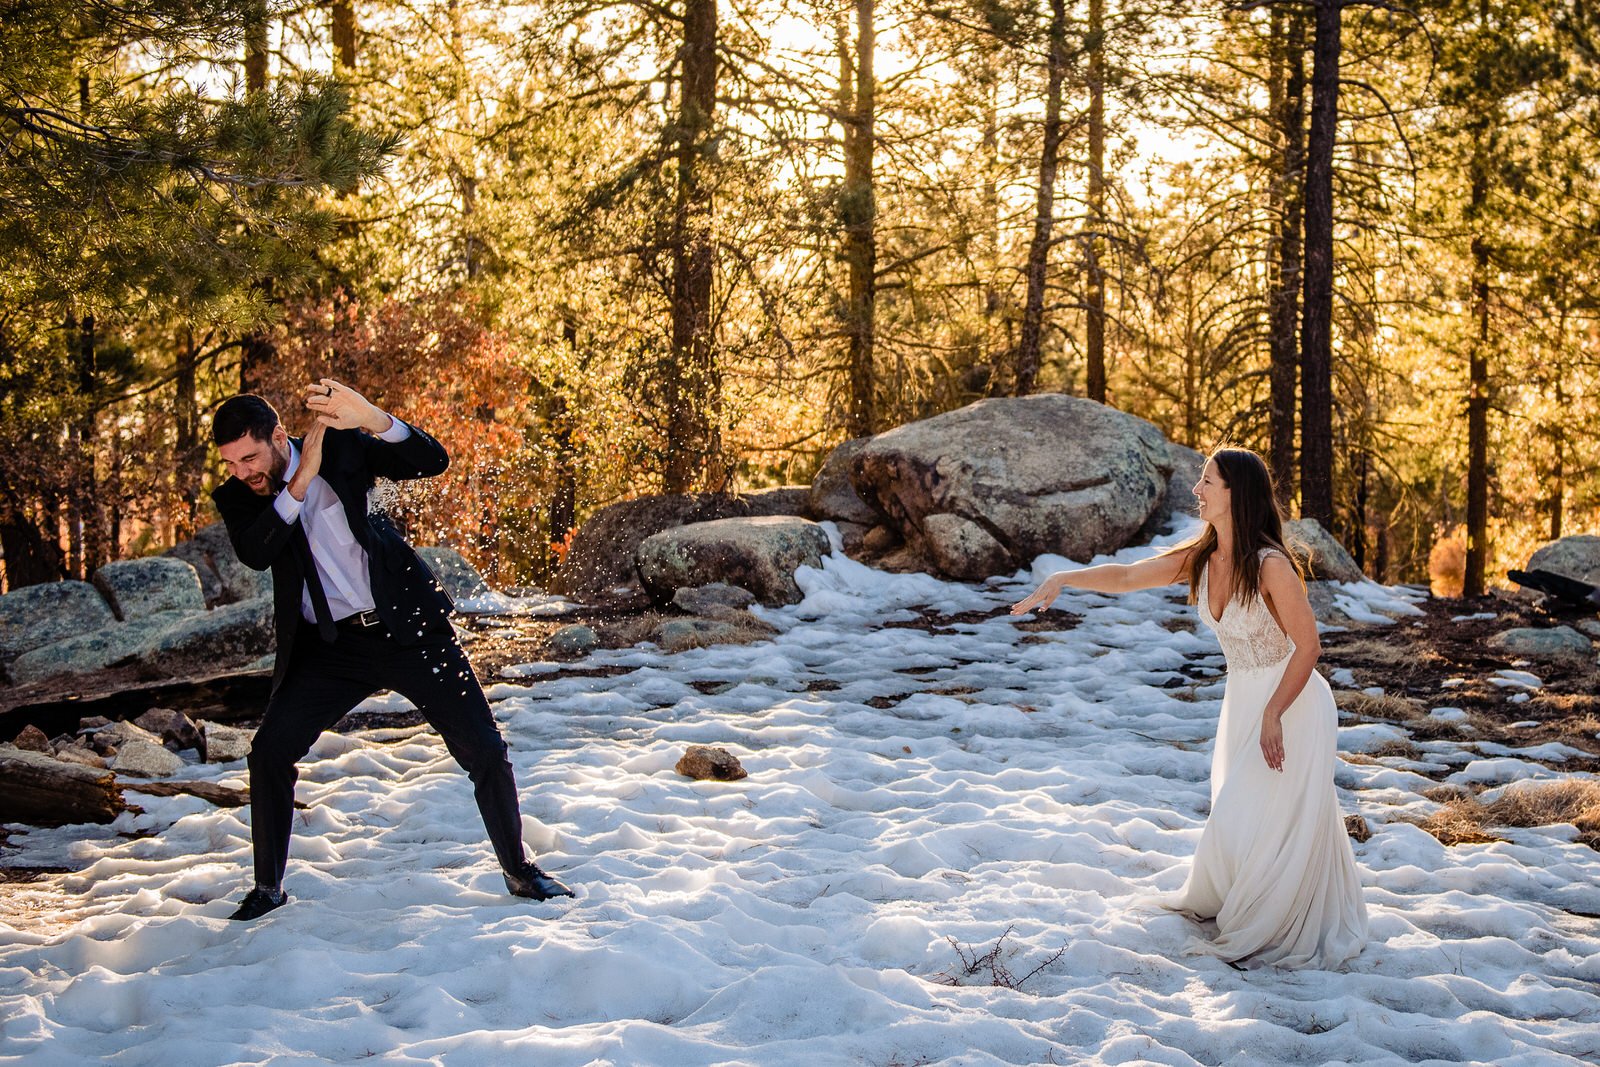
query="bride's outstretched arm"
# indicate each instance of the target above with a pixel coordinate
(1165, 569)
(1287, 596)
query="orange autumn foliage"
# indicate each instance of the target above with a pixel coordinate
(431, 363)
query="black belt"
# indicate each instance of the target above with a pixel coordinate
(364, 620)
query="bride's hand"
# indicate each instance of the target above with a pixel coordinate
(1272, 741)
(1043, 596)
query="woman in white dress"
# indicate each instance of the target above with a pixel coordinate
(1274, 867)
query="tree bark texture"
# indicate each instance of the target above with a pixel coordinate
(692, 388)
(1287, 196)
(342, 19)
(255, 48)
(187, 453)
(858, 213)
(1478, 384)
(1025, 360)
(42, 791)
(1095, 277)
(1316, 328)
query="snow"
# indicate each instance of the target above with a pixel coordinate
(1510, 679)
(908, 794)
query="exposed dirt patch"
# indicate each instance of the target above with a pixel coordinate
(1443, 659)
(1435, 661)
(933, 621)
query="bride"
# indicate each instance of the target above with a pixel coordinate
(1274, 866)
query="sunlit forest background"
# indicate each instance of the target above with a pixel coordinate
(614, 248)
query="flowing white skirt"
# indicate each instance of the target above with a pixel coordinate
(1274, 866)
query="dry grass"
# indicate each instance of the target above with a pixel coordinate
(1459, 822)
(1463, 819)
(1374, 654)
(1571, 800)
(1383, 708)
(1395, 749)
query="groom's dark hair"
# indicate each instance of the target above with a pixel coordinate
(243, 414)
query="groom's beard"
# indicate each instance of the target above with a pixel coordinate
(267, 484)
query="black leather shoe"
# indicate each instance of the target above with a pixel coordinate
(258, 902)
(533, 883)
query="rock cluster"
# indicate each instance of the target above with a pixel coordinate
(79, 776)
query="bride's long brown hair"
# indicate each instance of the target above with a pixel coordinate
(1257, 524)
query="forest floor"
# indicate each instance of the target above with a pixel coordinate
(947, 851)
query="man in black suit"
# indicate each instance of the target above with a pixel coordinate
(356, 612)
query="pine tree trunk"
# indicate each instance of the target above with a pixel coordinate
(255, 47)
(85, 546)
(342, 16)
(88, 440)
(256, 351)
(186, 450)
(989, 293)
(563, 506)
(858, 213)
(1316, 329)
(1478, 385)
(463, 163)
(692, 388)
(1026, 358)
(1288, 86)
(1095, 290)
(31, 557)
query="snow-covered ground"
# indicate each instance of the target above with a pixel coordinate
(913, 799)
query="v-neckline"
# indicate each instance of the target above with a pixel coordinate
(1216, 616)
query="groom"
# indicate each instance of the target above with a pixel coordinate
(356, 612)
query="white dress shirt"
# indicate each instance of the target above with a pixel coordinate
(340, 560)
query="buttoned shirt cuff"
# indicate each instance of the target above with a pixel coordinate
(397, 431)
(287, 507)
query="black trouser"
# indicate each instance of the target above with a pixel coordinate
(327, 679)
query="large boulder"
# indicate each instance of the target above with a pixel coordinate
(200, 645)
(458, 577)
(223, 579)
(136, 588)
(1576, 557)
(779, 500)
(962, 548)
(38, 615)
(602, 554)
(96, 650)
(1035, 474)
(1324, 558)
(1178, 499)
(758, 554)
(833, 497)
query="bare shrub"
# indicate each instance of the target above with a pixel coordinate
(971, 964)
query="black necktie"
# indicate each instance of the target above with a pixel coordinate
(319, 598)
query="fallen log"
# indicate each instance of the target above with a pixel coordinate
(1567, 590)
(221, 795)
(55, 707)
(41, 790)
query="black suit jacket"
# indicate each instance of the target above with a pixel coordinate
(404, 591)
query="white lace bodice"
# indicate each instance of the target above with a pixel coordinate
(1250, 637)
